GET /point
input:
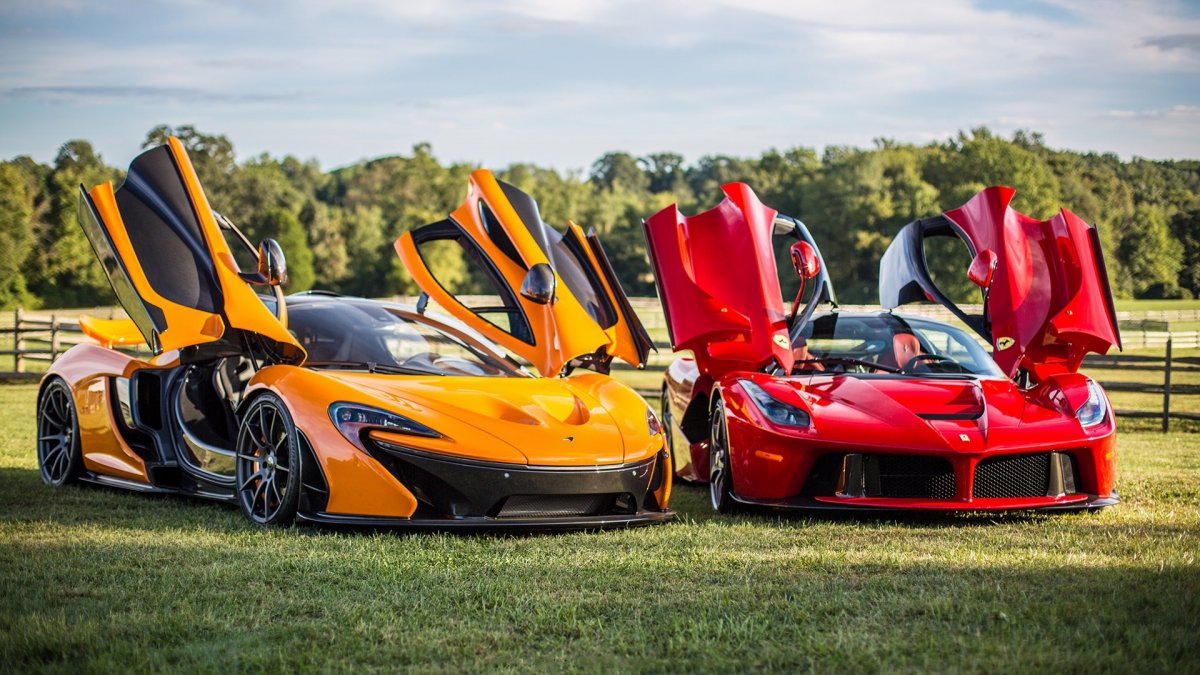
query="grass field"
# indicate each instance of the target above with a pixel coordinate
(95, 579)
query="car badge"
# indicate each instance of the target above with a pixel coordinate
(569, 439)
(964, 438)
(1004, 343)
(782, 341)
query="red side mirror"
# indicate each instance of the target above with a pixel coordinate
(982, 268)
(805, 260)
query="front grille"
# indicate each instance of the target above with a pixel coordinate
(1013, 476)
(555, 506)
(914, 476)
(880, 475)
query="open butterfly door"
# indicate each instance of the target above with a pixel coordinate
(159, 243)
(1047, 301)
(557, 299)
(718, 283)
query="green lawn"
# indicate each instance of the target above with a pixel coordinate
(95, 579)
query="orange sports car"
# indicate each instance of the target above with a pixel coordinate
(322, 408)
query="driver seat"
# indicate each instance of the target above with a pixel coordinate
(904, 347)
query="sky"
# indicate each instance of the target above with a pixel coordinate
(560, 82)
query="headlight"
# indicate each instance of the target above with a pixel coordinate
(775, 410)
(652, 423)
(1093, 410)
(353, 419)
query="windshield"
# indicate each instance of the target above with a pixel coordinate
(836, 343)
(347, 333)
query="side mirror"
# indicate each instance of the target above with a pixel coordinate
(271, 264)
(805, 260)
(540, 285)
(982, 269)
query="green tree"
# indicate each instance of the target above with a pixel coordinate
(619, 170)
(1186, 228)
(1152, 257)
(326, 236)
(62, 269)
(367, 251)
(16, 208)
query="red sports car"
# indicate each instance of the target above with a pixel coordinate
(838, 410)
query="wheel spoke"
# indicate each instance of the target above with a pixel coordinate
(248, 481)
(261, 490)
(60, 465)
(262, 425)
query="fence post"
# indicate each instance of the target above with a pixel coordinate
(1167, 390)
(54, 343)
(18, 343)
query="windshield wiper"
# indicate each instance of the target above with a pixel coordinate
(372, 367)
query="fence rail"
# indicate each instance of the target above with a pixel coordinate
(41, 337)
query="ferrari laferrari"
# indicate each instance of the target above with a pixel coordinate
(322, 408)
(809, 407)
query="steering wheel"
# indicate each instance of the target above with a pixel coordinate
(922, 358)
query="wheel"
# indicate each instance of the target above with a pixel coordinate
(720, 477)
(59, 457)
(268, 463)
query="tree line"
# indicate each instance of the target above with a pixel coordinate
(336, 227)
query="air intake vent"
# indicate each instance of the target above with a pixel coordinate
(893, 476)
(915, 476)
(556, 506)
(1025, 475)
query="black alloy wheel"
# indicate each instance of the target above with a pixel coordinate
(268, 463)
(720, 477)
(59, 457)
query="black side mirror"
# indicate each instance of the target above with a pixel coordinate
(271, 263)
(540, 285)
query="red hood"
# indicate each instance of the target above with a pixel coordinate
(718, 284)
(1049, 303)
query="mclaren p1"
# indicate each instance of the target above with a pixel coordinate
(322, 408)
(828, 409)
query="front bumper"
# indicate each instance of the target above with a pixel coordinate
(491, 524)
(458, 493)
(869, 505)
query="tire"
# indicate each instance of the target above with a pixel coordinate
(665, 419)
(59, 457)
(720, 475)
(268, 463)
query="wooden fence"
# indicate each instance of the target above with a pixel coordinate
(39, 337)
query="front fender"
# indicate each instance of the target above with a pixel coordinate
(358, 484)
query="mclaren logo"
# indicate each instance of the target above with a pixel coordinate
(569, 439)
(1004, 343)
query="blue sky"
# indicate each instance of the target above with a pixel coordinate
(559, 82)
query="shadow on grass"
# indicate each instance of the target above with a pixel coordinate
(25, 498)
(397, 604)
